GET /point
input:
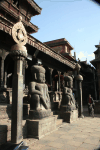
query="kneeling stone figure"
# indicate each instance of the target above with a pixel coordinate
(39, 101)
(68, 98)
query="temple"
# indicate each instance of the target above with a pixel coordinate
(34, 76)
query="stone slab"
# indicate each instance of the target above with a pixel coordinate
(39, 128)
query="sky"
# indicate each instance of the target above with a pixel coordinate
(78, 21)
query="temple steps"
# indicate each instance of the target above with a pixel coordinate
(7, 122)
(59, 121)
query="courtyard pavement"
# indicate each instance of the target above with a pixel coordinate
(83, 134)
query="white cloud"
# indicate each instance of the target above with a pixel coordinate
(84, 55)
(92, 55)
(80, 30)
(81, 55)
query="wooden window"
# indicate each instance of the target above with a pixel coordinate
(16, 3)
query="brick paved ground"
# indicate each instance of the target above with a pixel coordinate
(84, 134)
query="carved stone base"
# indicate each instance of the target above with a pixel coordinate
(39, 128)
(67, 108)
(68, 116)
(39, 114)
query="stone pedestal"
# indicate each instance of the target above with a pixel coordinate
(39, 128)
(68, 116)
(39, 114)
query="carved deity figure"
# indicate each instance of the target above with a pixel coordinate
(38, 89)
(68, 98)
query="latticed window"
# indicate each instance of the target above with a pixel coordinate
(16, 2)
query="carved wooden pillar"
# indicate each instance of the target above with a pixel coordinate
(59, 73)
(23, 72)
(5, 79)
(98, 75)
(2, 73)
(51, 70)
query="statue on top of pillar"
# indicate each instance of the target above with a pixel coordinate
(68, 98)
(39, 101)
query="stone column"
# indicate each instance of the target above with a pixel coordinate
(79, 79)
(19, 53)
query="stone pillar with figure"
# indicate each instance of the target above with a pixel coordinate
(40, 121)
(79, 79)
(18, 53)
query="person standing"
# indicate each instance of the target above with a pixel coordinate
(90, 101)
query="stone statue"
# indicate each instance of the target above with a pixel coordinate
(68, 98)
(38, 90)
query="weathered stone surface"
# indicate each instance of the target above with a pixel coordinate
(97, 107)
(39, 114)
(68, 116)
(3, 134)
(68, 98)
(39, 128)
(7, 122)
(38, 90)
(26, 108)
(5, 111)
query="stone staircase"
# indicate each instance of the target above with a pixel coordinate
(5, 123)
(58, 120)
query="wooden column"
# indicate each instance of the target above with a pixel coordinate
(98, 74)
(95, 84)
(5, 79)
(51, 84)
(2, 73)
(59, 73)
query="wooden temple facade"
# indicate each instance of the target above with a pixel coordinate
(55, 58)
(53, 61)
